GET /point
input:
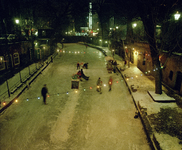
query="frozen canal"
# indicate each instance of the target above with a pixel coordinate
(73, 120)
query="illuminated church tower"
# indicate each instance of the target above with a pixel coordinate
(90, 16)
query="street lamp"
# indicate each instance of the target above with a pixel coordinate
(17, 21)
(176, 16)
(134, 25)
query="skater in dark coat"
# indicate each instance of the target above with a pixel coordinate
(83, 75)
(99, 85)
(44, 92)
(85, 65)
(78, 65)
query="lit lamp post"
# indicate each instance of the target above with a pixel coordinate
(17, 21)
(176, 16)
(134, 25)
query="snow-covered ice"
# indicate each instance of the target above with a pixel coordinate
(85, 120)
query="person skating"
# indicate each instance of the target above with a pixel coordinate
(78, 65)
(99, 84)
(110, 83)
(83, 75)
(44, 92)
(85, 65)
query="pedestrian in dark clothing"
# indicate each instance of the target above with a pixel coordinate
(78, 65)
(83, 75)
(44, 92)
(85, 65)
(99, 84)
(51, 59)
(110, 83)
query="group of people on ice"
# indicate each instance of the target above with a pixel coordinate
(99, 84)
(82, 75)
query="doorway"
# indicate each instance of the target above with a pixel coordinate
(178, 81)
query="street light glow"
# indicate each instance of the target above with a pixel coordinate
(176, 16)
(134, 25)
(17, 21)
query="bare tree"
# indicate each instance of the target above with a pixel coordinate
(153, 13)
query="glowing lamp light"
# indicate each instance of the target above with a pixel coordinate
(58, 50)
(154, 70)
(48, 96)
(69, 52)
(38, 97)
(63, 51)
(90, 88)
(16, 101)
(84, 90)
(27, 99)
(76, 91)
(104, 84)
(109, 82)
(67, 93)
(127, 79)
(134, 25)
(136, 76)
(116, 81)
(17, 21)
(176, 16)
(4, 103)
(97, 86)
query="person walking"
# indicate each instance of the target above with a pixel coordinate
(44, 92)
(110, 83)
(99, 84)
(78, 65)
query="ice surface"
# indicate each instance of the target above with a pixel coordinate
(86, 120)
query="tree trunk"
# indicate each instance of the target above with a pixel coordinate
(158, 76)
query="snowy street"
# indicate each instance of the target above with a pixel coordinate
(73, 119)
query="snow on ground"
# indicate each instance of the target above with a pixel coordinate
(85, 120)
